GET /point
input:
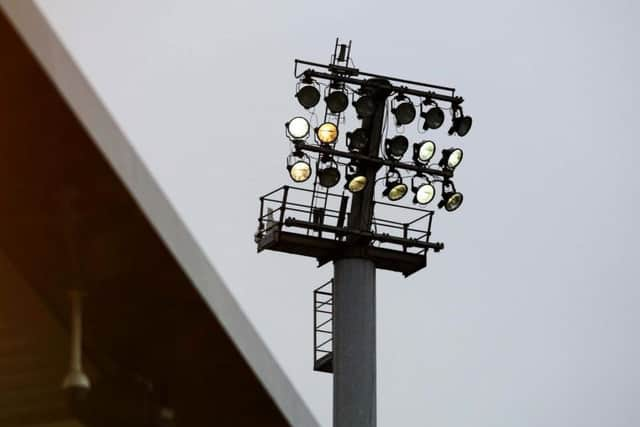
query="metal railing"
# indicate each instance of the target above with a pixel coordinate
(292, 208)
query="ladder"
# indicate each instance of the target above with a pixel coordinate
(323, 328)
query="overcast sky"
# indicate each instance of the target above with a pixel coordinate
(530, 316)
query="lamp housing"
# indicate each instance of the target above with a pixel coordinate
(395, 147)
(395, 189)
(423, 192)
(358, 140)
(365, 106)
(297, 129)
(299, 166)
(337, 101)
(356, 179)
(433, 117)
(308, 96)
(327, 133)
(451, 201)
(423, 152)
(451, 158)
(328, 173)
(461, 124)
(404, 111)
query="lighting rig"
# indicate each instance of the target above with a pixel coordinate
(371, 159)
(321, 143)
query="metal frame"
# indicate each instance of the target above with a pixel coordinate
(343, 74)
(339, 71)
(445, 173)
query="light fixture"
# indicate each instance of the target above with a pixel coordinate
(327, 133)
(298, 166)
(404, 111)
(423, 151)
(424, 192)
(433, 118)
(308, 96)
(451, 158)
(461, 123)
(357, 140)
(76, 380)
(395, 189)
(337, 101)
(365, 106)
(297, 128)
(328, 173)
(451, 201)
(395, 147)
(356, 180)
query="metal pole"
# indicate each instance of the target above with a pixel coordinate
(354, 296)
(354, 343)
(362, 202)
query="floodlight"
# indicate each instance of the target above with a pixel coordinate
(404, 111)
(451, 201)
(433, 118)
(423, 151)
(337, 101)
(299, 166)
(423, 193)
(327, 133)
(297, 128)
(395, 147)
(365, 106)
(308, 96)
(328, 173)
(461, 123)
(356, 180)
(451, 158)
(395, 189)
(357, 140)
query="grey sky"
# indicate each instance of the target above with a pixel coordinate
(530, 316)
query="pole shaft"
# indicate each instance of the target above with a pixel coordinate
(354, 294)
(354, 343)
(362, 202)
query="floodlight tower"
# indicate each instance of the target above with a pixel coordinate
(360, 241)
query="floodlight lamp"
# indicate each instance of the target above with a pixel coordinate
(451, 158)
(297, 128)
(328, 173)
(423, 152)
(395, 189)
(356, 180)
(433, 118)
(404, 111)
(451, 201)
(337, 101)
(461, 123)
(357, 140)
(395, 147)
(327, 133)
(299, 166)
(308, 96)
(424, 192)
(365, 106)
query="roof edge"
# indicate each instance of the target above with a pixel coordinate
(57, 61)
